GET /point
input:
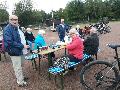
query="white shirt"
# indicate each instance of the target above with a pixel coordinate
(23, 41)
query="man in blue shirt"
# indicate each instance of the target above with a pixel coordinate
(62, 30)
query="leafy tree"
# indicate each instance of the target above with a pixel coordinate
(115, 4)
(3, 13)
(75, 11)
(23, 10)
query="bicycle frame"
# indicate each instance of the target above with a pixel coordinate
(117, 58)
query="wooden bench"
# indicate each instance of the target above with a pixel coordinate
(56, 70)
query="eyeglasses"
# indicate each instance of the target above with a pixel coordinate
(13, 19)
(71, 33)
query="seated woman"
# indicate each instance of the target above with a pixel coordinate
(91, 43)
(75, 47)
(40, 41)
(29, 37)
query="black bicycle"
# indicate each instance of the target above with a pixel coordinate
(102, 75)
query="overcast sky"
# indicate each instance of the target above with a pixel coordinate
(46, 5)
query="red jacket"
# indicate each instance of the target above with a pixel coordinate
(76, 47)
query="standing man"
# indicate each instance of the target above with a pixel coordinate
(15, 45)
(62, 30)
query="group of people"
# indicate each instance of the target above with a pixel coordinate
(17, 43)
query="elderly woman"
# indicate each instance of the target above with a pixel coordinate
(91, 44)
(75, 48)
(40, 41)
(29, 37)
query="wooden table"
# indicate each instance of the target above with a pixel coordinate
(48, 51)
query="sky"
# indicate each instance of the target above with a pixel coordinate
(46, 5)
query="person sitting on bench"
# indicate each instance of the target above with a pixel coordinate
(91, 43)
(75, 47)
(40, 41)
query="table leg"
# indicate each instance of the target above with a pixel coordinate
(61, 81)
(39, 63)
(49, 60)
(34, 64)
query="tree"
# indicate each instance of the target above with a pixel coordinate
(3, 13)
(23, 10)
(115, 4)
(75, 11)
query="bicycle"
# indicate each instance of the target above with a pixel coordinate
(102, 75)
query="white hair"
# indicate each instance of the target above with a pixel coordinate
(78, 26)
(41, 32)
(93, 30)
(73, 30)
(28, 29)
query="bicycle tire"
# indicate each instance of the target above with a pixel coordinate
(96, 82)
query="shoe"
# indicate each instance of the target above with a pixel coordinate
(72, 68)
(23, 84)
(26, 78)
(65, 72)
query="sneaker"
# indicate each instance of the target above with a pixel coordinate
(23, 84)
(26, 78)
(65, 72)
(72, 68)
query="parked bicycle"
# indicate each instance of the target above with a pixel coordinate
(102, 75)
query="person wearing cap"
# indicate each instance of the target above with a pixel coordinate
(75, 47)
(61, 29)
(15, 45)
(29, 37)
(91, 43)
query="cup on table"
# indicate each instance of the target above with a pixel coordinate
(44, 47)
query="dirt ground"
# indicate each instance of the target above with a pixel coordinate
(40, 81)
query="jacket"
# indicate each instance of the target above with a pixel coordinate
(76, 47)
(12, 41)
(61, 30)
(39, 41)
(29, 36)
(91, 44)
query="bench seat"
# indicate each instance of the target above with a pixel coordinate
(57, 70)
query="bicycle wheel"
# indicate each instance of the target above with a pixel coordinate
(98, 75)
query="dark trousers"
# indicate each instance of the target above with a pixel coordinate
(61, 38)
(73, 59)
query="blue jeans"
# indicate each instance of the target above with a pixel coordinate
(62, 38)
(30, 44)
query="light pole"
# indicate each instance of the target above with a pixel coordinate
(53, 19)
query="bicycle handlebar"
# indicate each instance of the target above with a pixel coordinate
(113, 46)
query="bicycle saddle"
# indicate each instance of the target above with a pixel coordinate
(113, 46)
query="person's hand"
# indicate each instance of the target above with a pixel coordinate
(83, 40)
(26, 46)
(65, 44)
